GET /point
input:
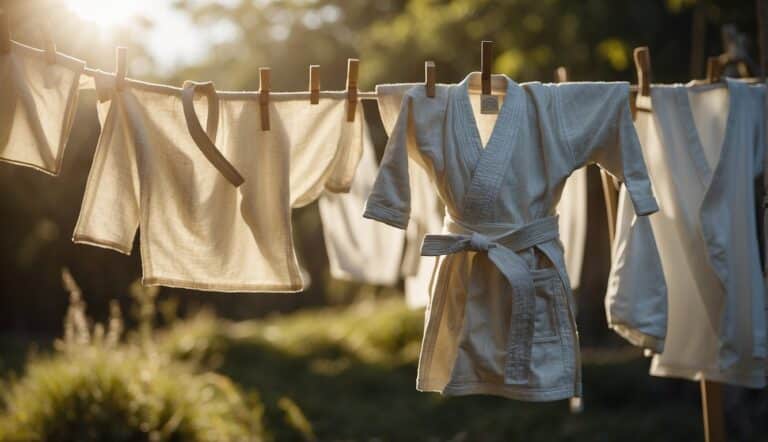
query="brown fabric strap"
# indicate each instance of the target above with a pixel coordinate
(203, 138)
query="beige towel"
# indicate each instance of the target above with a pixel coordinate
(199, 231)
(38, 100)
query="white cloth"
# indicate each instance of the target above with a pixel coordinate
(359, 249)
(704, 146)
(198, 230)
(572, 211)
(38, 101)
(500, 319)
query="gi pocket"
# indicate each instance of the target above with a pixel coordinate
(548, 287)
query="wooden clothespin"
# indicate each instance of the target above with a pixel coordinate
(264, 87)
(429, 78)
(5, 34)
(314, 84)
(643, 67)
(486, 59)
(561, 74)
(121, 68)
(48, 44)
(352, 72)
(714, 69)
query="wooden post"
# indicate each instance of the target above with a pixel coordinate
(712, 411)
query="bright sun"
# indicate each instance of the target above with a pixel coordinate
(109, 12)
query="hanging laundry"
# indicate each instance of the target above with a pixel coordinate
(426, 208)
(500, 319)
(704, 146)
(572, 213)
(427, 212)
(359, 249)
(157, 169)
(636, 302)
(38, 101)
(325, 148)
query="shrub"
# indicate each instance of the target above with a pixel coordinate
(99, 387)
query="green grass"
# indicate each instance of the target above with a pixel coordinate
(348, 374)
(351, 372)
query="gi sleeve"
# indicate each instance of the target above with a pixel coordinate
(596, 125)
(390, 199)
(636, 298)
(109, 216)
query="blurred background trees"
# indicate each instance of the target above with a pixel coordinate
(393, 38)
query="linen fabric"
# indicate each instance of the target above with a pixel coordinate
(426, 208)
(199, 230)
(500, 319)
(38, 101)
(705, 145)
(359, 249)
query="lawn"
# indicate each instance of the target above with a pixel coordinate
(348, 374)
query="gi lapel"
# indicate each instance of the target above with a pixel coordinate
(490, 163)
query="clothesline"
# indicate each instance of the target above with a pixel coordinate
(581, 124)
(112, 76)
(96, 73)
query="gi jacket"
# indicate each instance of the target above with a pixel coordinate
(500, 319)
(705, 145)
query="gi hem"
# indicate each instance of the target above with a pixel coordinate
(507, 391)
(104, 244)
(46, 170)
(750, 379)
(638, 338)
(386, 215)
(223, 287)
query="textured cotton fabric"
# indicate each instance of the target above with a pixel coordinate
(704, 146)
(38, 100)
(427, 212)
(426, 208)
(198, 230)
(636, 298)
(359, 249)
(500, 319)
(572, 211)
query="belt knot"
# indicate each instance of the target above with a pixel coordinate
(480, 243)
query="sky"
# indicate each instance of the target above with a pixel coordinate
(177, 42)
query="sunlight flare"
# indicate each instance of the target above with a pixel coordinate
(108, 13)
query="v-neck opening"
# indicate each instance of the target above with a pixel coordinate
(472, 119)
(487, 165)
(695, 143)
